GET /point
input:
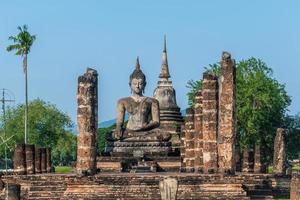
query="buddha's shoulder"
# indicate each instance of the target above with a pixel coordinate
(152, 100)
(124, 100)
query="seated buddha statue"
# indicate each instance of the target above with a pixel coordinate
(143, 112)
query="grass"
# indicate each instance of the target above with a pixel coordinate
(63, 169)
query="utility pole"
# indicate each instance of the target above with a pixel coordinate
(4, 139)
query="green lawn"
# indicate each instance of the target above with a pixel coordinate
(63, 169)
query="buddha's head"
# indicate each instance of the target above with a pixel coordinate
(137, 80)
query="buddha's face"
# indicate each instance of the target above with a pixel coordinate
(137, 86)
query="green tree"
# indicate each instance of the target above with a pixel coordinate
(22, 43)
(292, 123)
(261, 102)
(47, 126)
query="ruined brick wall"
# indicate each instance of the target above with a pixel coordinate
(210, 123)
(227, 119)
(30, 158)
(279, 158)
(19, 159)
(87, 122)
(189, 131)
(198, 119)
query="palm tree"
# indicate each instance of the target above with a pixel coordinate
(22, 44)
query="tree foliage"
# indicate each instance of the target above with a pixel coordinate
(47, 125)
(261, 102)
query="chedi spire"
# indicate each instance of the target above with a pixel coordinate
(164, 73)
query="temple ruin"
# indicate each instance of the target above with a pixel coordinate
(156, 155)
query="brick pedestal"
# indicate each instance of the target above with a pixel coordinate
(87, 122)
(210, 123)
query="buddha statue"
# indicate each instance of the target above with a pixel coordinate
(143, 112)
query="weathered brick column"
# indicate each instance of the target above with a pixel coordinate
(210, 123)
(43, 160)
(238, 161)
(48, 160)
(87, 122)
(14, 191)
(29, 150)
(198, 120)
(182, 149)
(19, 159)
(295, 186)
(227, 119)
(258, 167)
(279, 158)
(248, 161)
(37, 160)
(189, 158)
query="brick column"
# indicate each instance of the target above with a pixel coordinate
(87, 122)
(29, 150)
(258, 167)
(19, 159)
(48, 160)
(227, 120)
(182, 149)
(248, 161)
(43, 160)
(198, 132)
(295, 186)
(279, 158)
(37, 160)
(189, 140)
(210, 123)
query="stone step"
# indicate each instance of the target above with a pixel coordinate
(262, 197)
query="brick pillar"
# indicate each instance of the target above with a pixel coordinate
(182, 149)
(37, 160)
(198, 132)
(279, 158)
(210, 123)
(227, 119)
(248, 161)
(29, 150)
(48, 160)
(43, 160)
(258, 167)
(19, 159)
(189, 140)
(238, 163)
(87, 122)
(14, 191)
(295, 186)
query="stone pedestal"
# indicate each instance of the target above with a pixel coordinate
(30, 158)
(279, 158)
(19, 159)
(198, 123)
(43, 160)
(87, 122)
(226, 136)
(38, 161)
(210, 123)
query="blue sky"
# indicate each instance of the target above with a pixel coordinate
(108, 35)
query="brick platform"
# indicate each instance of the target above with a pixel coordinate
(146, 186)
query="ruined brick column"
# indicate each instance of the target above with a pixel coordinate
(29, 150)
(198, 132)
(48, 160)
(189, 140)
(210, 123)
(43, 160)
(238, 163)
(182, 149)
(37, 160)
(248, 161)
(279, 158)
(257, 159)
(19, 159)
(87, 122)
(227, 119)
(295, 186)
